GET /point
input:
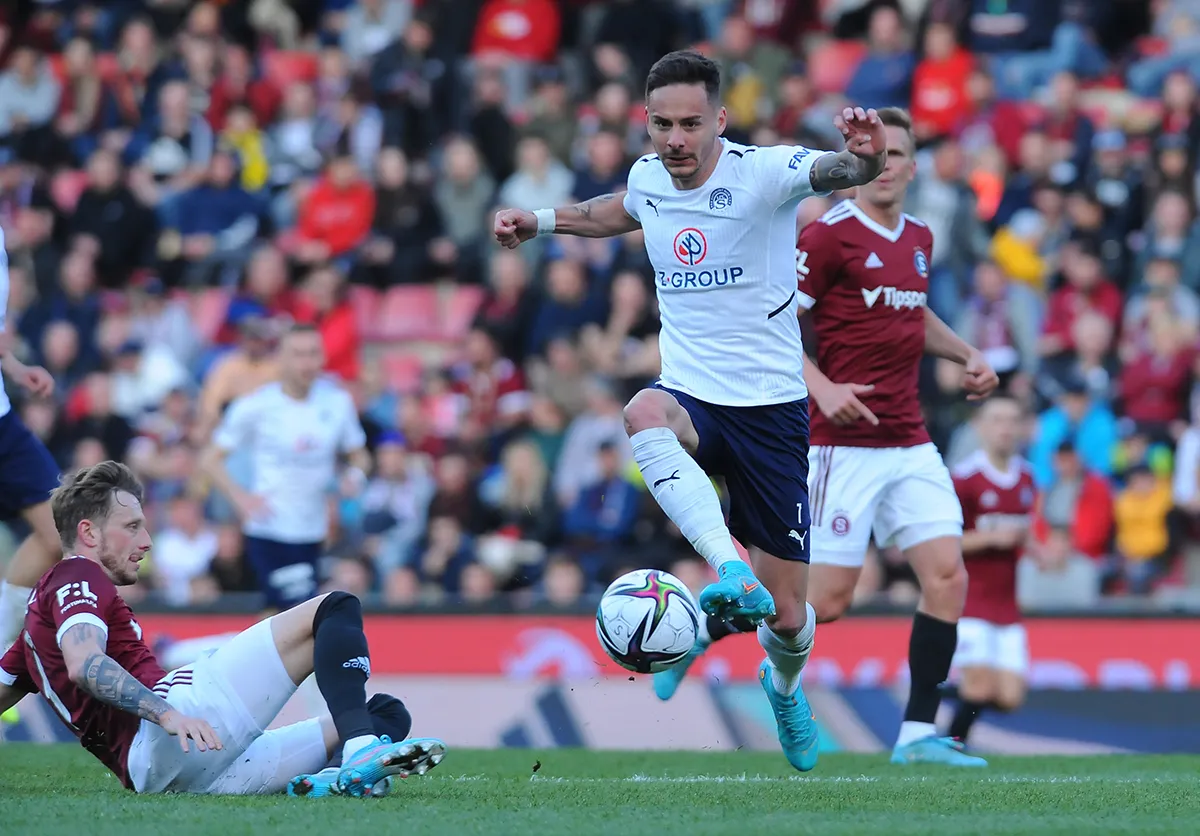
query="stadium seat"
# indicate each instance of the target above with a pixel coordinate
(832, 65)
(409, 313)
(209, 307)
(66, 187)
(366, 304)
(402, 372)
(459, 312)
(281, 67)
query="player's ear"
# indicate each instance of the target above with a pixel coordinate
(86, 534)
(722, 120)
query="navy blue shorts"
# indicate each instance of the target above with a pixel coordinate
(286, 572)
(28, 473)
(762, 451)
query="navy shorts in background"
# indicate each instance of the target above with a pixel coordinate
(762, 451)
(28, 473)
(286, 572)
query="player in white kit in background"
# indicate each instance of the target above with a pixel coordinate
(28, 473)
(296, 429)
(719, 221)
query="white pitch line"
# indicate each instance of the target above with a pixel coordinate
(822, 779)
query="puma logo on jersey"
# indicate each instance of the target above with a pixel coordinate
(654, 205)
(894, 298)
(674, 477)
(795, 535)
(873, 261)
(360, 662)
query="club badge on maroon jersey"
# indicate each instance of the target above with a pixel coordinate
(921, 263)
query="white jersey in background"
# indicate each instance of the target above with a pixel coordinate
(724, 258)
(5, 403)
(294, 447)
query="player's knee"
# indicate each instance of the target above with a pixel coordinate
(789, 618)
(338, 605)
(945, 590)
(647, 409)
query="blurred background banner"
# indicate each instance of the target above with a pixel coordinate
(1099, 686)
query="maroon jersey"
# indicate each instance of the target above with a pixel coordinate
(994, 499)
(76, 591)
(867, 288)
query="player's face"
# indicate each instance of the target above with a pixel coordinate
(301, 357)
(1001, 427)
(684, 126)
(888, 188)
(123, 539)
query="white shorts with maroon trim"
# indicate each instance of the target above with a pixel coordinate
(238, 689)
(1000, 647)
(902, 495)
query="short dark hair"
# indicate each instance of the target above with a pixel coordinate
(897, 117)
(88, 494)
(685, 66)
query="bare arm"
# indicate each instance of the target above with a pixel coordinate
(94, 671)
(212, 463)
(600, 217)
(844, 170)
(941, 341)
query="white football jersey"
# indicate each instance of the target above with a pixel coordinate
(724, 258)
(294, 446)
(5, 403)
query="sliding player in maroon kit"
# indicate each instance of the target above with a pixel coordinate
(200, 728)
(863, 271)
(995, 487)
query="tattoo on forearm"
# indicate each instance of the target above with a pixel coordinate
(844, 170)
(585, 209)
(108, 682)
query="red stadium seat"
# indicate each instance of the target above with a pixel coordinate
(459, 313)
(409, 313)
(282, 68)
(832, 65)
(366, 304)
(66, 187)
(209, 308)
(403, 372)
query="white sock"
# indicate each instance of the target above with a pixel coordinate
(702, 635)
(685, 493)
(788, 655)
(355, 744)
(911, 730)
(13, 600)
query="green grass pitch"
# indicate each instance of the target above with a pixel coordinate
(61, 791)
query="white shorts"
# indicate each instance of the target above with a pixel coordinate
(238, 690)
(903, 495)
(1001, 647)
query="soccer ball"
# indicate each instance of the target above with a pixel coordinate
(647, 621)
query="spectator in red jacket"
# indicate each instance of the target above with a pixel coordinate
(237, 85)
(322, 302)
(336, 215)
(939, 86)
(1078, 501)
(520, 30)
(1154, 387)
(1086, 289)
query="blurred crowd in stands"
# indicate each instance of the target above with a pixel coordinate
(178, 179)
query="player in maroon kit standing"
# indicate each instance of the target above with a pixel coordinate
(82, 649)
(863, 271)
(995, 487)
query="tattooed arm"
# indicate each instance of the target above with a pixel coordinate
(94, 671)
(844, 170)
(600, 217)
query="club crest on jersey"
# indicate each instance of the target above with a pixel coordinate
(839, 524)
(720, 198)
(690, 246)
(921, 262)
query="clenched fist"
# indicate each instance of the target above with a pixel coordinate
(513, 227)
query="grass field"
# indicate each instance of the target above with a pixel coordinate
(61, 791)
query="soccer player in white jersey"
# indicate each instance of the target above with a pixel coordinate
(719, 221)
(28, 473)
(295, 430)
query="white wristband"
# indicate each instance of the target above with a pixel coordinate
(546, 219)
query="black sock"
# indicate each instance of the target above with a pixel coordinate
(343, 663)
(968, 712)
(718, 629)
(930, 651)
(388, 716)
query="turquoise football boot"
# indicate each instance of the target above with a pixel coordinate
(371, 764)
(324, 783)
(737, 594)
(667, 682)
(797, 726)
(934, 749)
